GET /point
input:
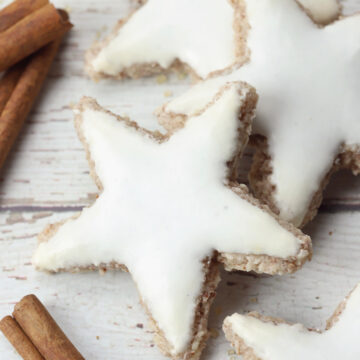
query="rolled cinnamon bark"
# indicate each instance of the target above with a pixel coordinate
(8, 83)
(17, 10)
(43, 331)
(18, 339)
(24, 95)
(30, 34)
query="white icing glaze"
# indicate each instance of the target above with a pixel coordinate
(308, 80)
(164, 208)
(322, 11)
(283, 341)
(199, 33)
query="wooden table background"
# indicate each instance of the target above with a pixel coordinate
(46, 179)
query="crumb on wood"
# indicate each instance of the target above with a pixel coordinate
(28, 263)
(168, 93)
(218, 310)
(253, 300)
(14, 218)
(137, 340)
(97, 337)
(98, 35)
(317, 307)
(17, 277)
(330, 233)
(129, 306)
(6, 269)
(41, 215)
(102, 271)
(317, 297)
(161, 79)
(152, 345)
(213, 333)
(231, 352)
(140, 326)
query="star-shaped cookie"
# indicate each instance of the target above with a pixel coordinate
(169, 211)
(162, 34)
(257, 337)
(308, 81)
(202, 36)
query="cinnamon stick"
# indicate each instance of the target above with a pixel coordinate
(30, 34)
(8, 83)
(24, 95)
(43, 331)
(17, 10)
(18, 339)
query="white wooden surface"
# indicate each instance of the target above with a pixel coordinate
(47, 179)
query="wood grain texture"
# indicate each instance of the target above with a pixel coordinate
(46, 179)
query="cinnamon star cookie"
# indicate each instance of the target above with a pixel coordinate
(308, 81)
(257, 337)
(169, 211)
